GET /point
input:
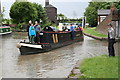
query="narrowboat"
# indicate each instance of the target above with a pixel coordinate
(5, 30)
(49, 40)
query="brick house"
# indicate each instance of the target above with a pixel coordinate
(51, 12)
(102, 14)
(105, 17)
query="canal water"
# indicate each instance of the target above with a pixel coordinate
(54, 64)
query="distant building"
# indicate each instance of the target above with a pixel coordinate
(102, 14)
(105, 17)
(51, 12)
(116, 18)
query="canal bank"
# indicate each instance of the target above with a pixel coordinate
(117, 44)
(75, 73)
(46, 65)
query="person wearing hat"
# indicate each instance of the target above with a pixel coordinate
(111, 40)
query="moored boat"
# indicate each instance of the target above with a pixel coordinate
(50, 40)
(5, 30)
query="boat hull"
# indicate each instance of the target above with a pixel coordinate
(5, 30)
(50, 41)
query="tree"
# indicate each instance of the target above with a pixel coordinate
(61, 17)
(91, 15)
(41, 14)
(91, 11)
(23, 12)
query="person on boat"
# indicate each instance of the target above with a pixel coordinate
(72, 31)
(28, 26)
(79, 28)
(32, 33)
(111, 40)
(64, 27)
(68, 27)
(37, 29)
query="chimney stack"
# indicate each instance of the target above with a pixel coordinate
(112, 7)
(46, 2)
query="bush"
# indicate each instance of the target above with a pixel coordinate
(20, 26)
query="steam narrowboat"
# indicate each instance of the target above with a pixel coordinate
(49, 39)
(5, 30)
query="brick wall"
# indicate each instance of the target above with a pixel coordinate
(51, 14)
(102, 27)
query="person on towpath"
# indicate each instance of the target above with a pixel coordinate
(111, 40)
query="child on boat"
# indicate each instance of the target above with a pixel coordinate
(32, 33)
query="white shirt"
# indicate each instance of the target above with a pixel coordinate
(111, 33)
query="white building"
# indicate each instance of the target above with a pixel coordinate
(102, 14)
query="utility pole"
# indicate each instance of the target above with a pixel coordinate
(0, 14)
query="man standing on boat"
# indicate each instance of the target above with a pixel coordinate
(37, 29)
(72, 31)
(28, 26)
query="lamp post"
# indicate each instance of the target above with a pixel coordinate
(0, 14)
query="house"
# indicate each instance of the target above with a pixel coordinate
(51, 12)
(116, 18)
(105, 17)
(102, 14)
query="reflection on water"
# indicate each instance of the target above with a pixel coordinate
(54, 64)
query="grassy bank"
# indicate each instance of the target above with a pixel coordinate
(100, 67)
(92, 31)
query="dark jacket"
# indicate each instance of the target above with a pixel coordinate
(28, 26)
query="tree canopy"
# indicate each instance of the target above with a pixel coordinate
(91, 11)
(22, 12)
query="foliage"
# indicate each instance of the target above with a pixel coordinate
(23, 12)
(20, 26)
(41, 14)
(6, 21)
(100, 67)
(61, 17)
(91, 11)
(91, 15)
(92, 31)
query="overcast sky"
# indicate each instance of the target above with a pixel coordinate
(70, 8)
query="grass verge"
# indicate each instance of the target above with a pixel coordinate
(93, 32)
(100, 67)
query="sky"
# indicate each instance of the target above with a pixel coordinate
(70, 8)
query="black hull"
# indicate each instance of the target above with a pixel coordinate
(49, 44)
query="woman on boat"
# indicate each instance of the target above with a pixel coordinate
(32, 33)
